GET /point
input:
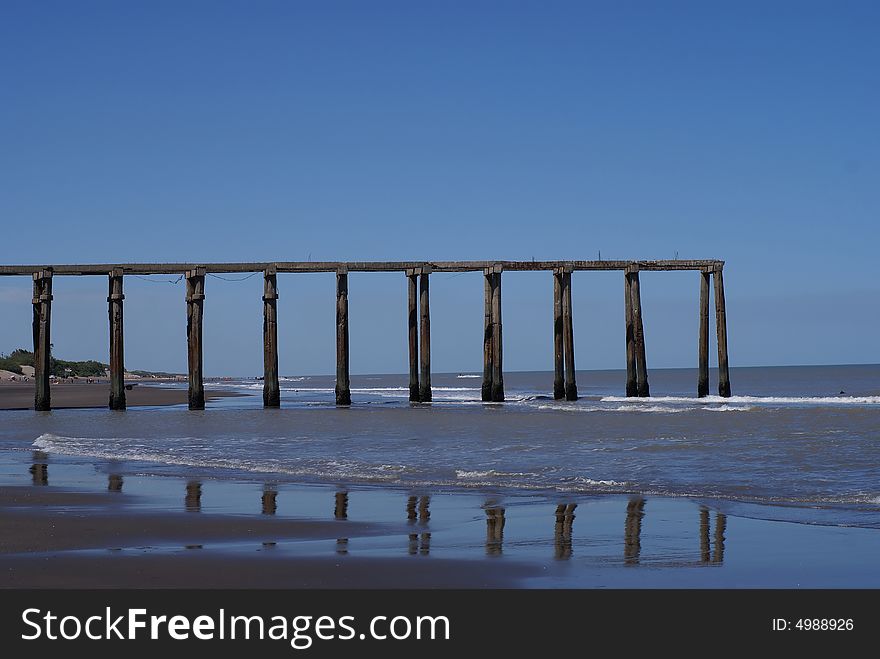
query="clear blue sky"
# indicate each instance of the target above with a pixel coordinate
(210, 131)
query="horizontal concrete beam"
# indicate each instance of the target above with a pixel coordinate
(356, 266)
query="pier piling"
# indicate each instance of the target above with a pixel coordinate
(413, 332)
(568, 336)
(42, 323)
(425, 337)
(497, 352)
(195, 299)
(558, 341)
(343, 385)
(721, 330)
(488, 341)
(631, 376)
(117, 359)
(642, 388)
(271, 388)
(703, 375)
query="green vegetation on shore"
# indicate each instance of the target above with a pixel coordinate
(57, 367)
(66, 369)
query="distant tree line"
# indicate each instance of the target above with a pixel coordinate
(57, 367)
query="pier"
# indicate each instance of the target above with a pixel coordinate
(416, 276)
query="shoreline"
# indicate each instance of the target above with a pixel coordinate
(82, 395)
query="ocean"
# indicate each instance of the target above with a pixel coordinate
(795, 443)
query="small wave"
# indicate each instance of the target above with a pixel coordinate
(468, 376)
(491, 473)
(755, 400)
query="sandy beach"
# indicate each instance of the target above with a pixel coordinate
(67, 395)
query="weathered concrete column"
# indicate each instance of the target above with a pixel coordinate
(117, 353)
(571, 392)
(413, 332)
(631, 377)
(42, 302)
(497, 352)
(639, 335)
(195, 299)
(558, 344)
(721, 329)
(486, 392)
(703, 374)
(271, 388)
(425, 337)
(343, 385)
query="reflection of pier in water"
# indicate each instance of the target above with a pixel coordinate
(418, 511)
(40, 468)
(632, 536)
(494, 530)
(717, 555)
(268, 500)
(340, 513)
(562, 531)
(114, 483)
(193, 500)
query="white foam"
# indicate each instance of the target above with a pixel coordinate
(755, 400)
(468, 376)
(491, 473)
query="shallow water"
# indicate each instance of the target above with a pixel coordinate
(788, 438)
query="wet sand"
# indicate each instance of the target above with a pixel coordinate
(81, 522)
(20, 395)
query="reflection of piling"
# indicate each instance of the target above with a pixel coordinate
(418, 508)
(632, 542)
(269, 500)
(716, 556)
(720, 527)
(193, 500)
(704, 535)
(114, 483)
(341, 509)
(562, 532)
(341, 545)
(40, 469)
(494, 530)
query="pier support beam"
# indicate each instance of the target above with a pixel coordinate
(42, 302)
(195, 299)
(571, 392)
(497, 352)
(343, 384)
(117, 352)
(486, 391)
(631, 370)
(721, 329)
(412, 276)
(271, 388)
(703, 373)
(558, 342)
(642, 388)
(493, 371)
(425, 337)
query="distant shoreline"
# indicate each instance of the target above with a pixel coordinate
(80, 395)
